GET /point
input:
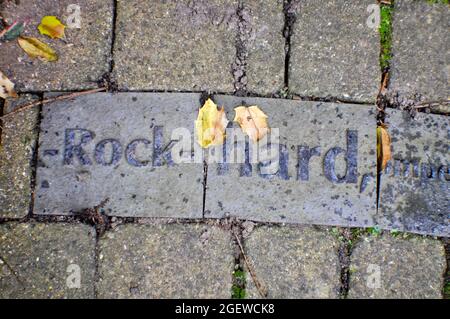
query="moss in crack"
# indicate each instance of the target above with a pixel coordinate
(446, 290)
(238, 290)
(386, 36)
(438, 1)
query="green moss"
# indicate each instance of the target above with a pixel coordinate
(446, 290)
(374, 231)
(386, 36)
(438, 1)
(237, 290)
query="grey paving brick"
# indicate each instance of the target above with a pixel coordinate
(333, 51)
(166, 261)
(175, 45)
(84, 55)
(421, 55)
(18, 142)
(388, 267)
(265, 62)
(125, 156)
(304, 195)
(293, 262)
(415, 186)
(40, 260)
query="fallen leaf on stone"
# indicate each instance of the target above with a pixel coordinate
(210, 125)
(51, 26)
(252, 121)
(383, 147)
(6, 87)
(36, 48)
(13, 31)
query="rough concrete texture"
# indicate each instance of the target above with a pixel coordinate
(420, 63)
(388, 267)
(42, 260)
(415, 186)
(333, 51)
(313, 193)
(265, 46)
(18, 142)
(293, 262)
(120, 157)
(84, 54)
(166, 261)
(175, 45)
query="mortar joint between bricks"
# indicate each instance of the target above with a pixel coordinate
(289, 20)
(34, 159)
(243, 36)
(347, 239)
(239, 273)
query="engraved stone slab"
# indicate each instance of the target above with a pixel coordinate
(415, 186)
(326, 173)
(117, 147)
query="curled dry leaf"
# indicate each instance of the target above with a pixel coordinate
(210, 125)
(383, 147)
(6, 87)
(51, 26)
(252, 121)
(13, 31)
(36, 48)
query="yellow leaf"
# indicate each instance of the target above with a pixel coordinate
(252, 121)
(6, 87)
(210, 125)
(383, 147)
(36, 48)
(51, 26)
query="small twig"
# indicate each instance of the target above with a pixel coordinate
(261, 289)
(430, 104)
(50, 100)
(12, 271)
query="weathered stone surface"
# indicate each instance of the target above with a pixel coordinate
(265, 62)
(294, 262)
(84, 56)
(305, 194)
(333, 51)
(175, 45)
(137, 182)
(42, 260)
(388, 267)
(421, 55)
(415, 186)
(18, 142)
(166, 261)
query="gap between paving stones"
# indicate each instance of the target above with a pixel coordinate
(289, 20)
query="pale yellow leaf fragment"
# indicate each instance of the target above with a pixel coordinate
(252, 121)
(6, 87)
(51, 26)
(36, 48)
(210, 125)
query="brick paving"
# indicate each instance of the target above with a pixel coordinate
(176, 245)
